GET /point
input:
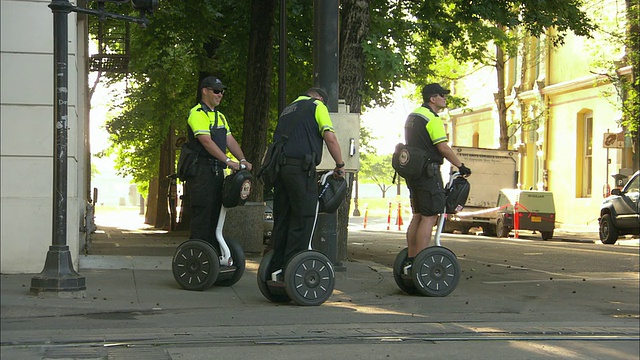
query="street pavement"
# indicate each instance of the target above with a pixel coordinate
(132, 308)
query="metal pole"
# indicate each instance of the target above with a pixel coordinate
(356, 211)
(58, 273)
(282, 65)
(325, 49)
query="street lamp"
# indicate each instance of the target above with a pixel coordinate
(58, 274)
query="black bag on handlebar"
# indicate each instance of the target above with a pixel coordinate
(236, 188)
(457, 195)
(331, 194)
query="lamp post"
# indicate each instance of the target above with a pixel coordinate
(58, 274)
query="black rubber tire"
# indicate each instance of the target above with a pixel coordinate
(489, 230)
(406, 286)
(309, 278)
(546, 235)
(195, 265)
(262, 278)
(608, 231)
(435, 271)
(239, 262)
(501, 230)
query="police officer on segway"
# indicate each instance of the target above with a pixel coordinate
(307, 125)
(424, 129)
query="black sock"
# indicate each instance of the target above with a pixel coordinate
(410, 259)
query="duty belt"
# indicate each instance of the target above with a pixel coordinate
(211, 161)
(292, 161)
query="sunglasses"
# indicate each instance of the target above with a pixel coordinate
(442, 95)
(216, 91)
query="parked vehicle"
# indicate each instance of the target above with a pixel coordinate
(525, 210)
(492, 171)
(619, 213)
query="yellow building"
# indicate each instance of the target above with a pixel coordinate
(560, 106)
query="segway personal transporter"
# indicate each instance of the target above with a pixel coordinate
(435, 270)
(196, 264)
(309, 277)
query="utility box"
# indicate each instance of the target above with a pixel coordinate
(347, 129)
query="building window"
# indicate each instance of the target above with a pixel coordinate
(584, 151)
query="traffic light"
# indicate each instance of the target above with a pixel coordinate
(145, 6)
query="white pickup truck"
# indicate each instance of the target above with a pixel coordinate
(491, 171)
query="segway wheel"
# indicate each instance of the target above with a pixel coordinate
(195, 265)
(309, 278)
(436, 271)
(271, 293)
(404, 282)
(230, 275)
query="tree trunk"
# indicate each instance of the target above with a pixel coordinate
(258, 89)
(152, 202)
(166, 168)
(354, 27)
(632, 99)
(499, 98)
(354, 20)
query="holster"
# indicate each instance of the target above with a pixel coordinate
(432, 169)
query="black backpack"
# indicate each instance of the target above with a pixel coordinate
(457, 195)
(271, 161)
(409, 161)
(187, 163)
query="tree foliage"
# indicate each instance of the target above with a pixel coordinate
(377, 169)
(386, 42)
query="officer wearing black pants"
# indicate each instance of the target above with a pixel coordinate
(210, 136)
(307, 124)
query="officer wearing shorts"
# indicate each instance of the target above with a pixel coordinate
(425, 129)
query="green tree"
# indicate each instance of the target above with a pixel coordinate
(186, 40)
(377, 169)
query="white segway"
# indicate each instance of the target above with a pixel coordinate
(196, 264)
(309, 277)
(435, 270)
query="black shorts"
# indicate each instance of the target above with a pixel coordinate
(426, 203)
(427, 195)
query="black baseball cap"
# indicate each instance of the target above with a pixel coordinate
(433, 89)
(212, 82)
(322, 92)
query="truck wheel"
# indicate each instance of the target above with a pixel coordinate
(546, 235)
(501, 230)
(489, 230)
(608, 231)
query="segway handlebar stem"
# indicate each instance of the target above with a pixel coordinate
(225, 252)
(440, 226)
(323, 180)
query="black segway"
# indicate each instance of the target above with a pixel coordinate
(196, 264)
(309, 277)
(435, 270)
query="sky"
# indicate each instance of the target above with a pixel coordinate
(387, 124)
